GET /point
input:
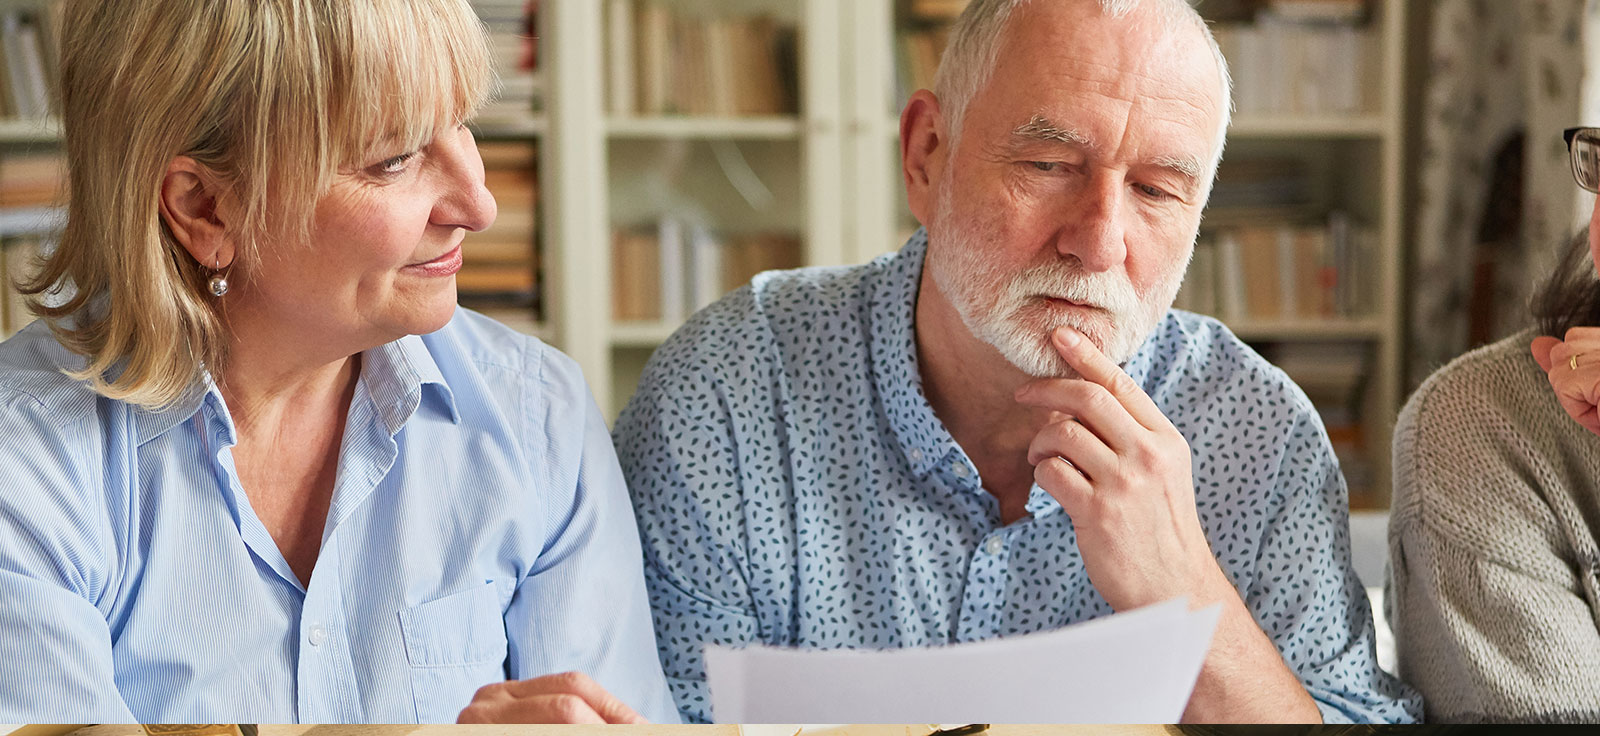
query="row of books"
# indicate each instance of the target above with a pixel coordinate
(661, 61)
(919, 51)
(32, 179)
(1289, 66)
(1282, 271)
(1243, 11)
(664, 272)
(500, 265)
(28, 53)
(934, 10)
(1335, 375)
(513, 48)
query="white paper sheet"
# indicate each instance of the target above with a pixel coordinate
(1135, 667)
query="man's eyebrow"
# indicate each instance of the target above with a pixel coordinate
(1041, 128)
(1188, 166)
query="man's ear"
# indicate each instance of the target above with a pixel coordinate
(924, 151)
(189, 197)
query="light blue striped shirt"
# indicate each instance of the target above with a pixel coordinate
(479, 530)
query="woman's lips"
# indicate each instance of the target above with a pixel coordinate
(445, 265)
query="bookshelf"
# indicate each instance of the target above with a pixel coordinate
(30, 170)
(818, 171)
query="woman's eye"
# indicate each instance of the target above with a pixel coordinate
(397, 164)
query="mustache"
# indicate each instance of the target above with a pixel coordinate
(1061, 281)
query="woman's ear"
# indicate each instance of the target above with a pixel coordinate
(924, 146)
(189, 196)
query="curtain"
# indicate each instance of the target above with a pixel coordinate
(1495, 200)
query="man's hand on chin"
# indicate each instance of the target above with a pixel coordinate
(1122, 472)
(570, 697)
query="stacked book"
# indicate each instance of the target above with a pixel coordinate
(935, 10)
(500, 265)
(665, 62)
(920, 50)
(30, 180)
(1334, 375)
(1303, 57)
(1271, 272)
(664, 272)
(28, 53)
(18, 258)
(513, 49)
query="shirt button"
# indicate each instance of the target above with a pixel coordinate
(994, 546)
(916, 455)
(960, 469)
(317, 635)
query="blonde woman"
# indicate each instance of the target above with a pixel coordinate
(1494, 561)
(257, 466)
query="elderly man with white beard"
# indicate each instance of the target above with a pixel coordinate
(1003, 428)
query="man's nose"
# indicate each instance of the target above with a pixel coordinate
(1095, 233)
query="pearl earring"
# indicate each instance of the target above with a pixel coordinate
(219, 282)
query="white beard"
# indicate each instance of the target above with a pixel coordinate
(1009, 312)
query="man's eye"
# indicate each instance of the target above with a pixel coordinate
(1044, 165)
(1152, 192)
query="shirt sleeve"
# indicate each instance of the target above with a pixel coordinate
(683, 471)
(55, 649)
(583, 606)
(1492, 616)
(1307, 598)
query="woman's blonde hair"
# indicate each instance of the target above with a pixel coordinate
(273, 97)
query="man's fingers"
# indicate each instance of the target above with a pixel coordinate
(1074, 442)
(1095, 367)
(1089, 404)
(1541, 348)
(1064, 483)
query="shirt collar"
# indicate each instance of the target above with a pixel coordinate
(395, 375)
(922, 437)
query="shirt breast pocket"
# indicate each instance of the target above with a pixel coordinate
(455, 645)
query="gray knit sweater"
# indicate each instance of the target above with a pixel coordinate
(1494, 582)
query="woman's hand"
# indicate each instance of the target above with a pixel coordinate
(570, 697)
(1573, 366)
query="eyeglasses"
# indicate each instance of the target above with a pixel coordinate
(1583, 145)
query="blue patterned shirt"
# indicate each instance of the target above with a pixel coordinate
(478, 530)
(794, 487)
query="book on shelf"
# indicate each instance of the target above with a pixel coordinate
(18, 257)
(665, 271)
(1335, 377)
(936, 11)
(513, 52)
(662, 61)
(28, 53)
(31, 179)
(1282, 271)
(1292, 61)
(500, 264)
(1327, 11)
(919, 50)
